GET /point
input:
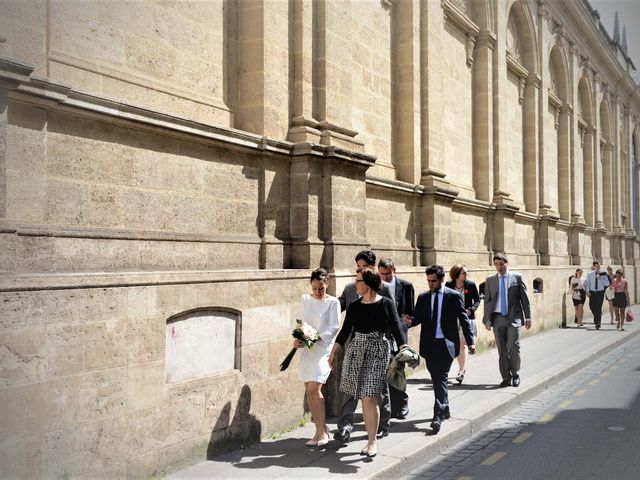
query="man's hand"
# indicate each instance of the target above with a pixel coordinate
(527, 324)
(297, 343)
(487, 326)
(472, 349)
(407, 320)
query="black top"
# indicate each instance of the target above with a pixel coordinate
(471, 296)
(380, 316)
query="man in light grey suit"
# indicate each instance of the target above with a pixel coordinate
(364, 259)
(506, 309)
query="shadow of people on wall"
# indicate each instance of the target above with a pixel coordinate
(238, 432)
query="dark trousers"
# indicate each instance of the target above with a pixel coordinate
(438, 363)
(346, 415)
(399, 401)
(595, 305)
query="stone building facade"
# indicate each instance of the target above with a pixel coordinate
(170, 172)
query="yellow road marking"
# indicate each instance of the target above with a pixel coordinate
(493, 459)
(565, 404)
(465, 478)
(523, 437)
(546, 419)
(593, 382)
(582, 391)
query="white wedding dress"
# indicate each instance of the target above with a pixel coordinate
(324, 316)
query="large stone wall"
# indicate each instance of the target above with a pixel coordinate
(164, 161)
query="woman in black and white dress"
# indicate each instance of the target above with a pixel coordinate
(369, 352)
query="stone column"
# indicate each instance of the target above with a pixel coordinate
(304, 127)
(607, 186)
(332, 78)
(588, 174)
(483, 116)
(405, 142)
(565, 183)
(263, 54)
(436, 235)
(531, 172)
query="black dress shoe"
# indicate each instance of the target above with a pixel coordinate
(402, 414)
(447, 413)
(515, 381)
(342, 435)
(382, 434)
(435, 426)
(505, 383)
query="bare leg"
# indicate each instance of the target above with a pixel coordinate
(579, 313)
(464, 354)
(371, 414)
(317, 407)
(611, 310)
(618, 317)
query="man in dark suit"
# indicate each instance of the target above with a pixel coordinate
(364, 259)
(506, 309)
(404, 295)
(438, 311)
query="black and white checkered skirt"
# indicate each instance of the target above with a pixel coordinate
(365, 364)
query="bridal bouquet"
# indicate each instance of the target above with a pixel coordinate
(306, 334)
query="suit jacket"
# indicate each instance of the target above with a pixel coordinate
(350, 294)
(404, 297)
(471, 299)
(518, 305)
(452, 311)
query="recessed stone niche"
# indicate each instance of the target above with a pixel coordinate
(201, 343)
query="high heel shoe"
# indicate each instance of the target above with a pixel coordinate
(372, 451)
(460, 377)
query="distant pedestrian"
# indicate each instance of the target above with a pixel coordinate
(597, 282)
(368, 354)
(439, 311)
(610, 276)
(577, 289)
(621, 299)
(469, 293)
(404, 297)
(322, 312)
(506, 309)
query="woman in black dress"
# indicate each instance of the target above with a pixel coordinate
(469, 293)
(369, 352)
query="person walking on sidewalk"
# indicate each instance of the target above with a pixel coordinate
(506, 309)
(597, 282)
(322, 312)
(577, 286)
(404, 296)
(368, 354)
(438, 311)
(621, 299)
(469, 293)
(364, 259)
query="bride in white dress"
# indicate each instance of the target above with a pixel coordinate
(322, 312)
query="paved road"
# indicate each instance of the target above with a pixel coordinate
(585, 427)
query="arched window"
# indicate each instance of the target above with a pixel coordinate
(200, 343)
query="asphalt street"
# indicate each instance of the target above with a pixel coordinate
(586, 426)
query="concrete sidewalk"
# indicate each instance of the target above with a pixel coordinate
(546, 358)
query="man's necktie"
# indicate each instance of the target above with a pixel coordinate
(434, 314)
(503, 297)
(596, 281)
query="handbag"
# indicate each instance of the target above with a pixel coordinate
(609, 293)
(629, 315)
